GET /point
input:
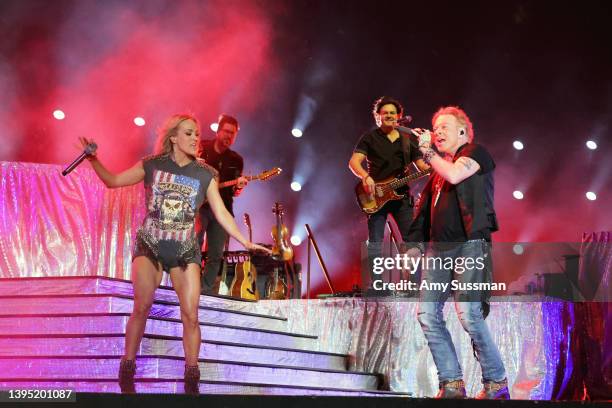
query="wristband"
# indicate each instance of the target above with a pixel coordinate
(428, 155)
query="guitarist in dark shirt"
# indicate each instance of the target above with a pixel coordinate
(229, 164)
(387, 155)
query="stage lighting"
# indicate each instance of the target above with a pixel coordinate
(518, 194)
(518, 145)
(296, 132)
(214, 126)
(591, 196)
(591, 145)
(518, 249)
(295, 186)
(58, 114)
(295, 240)
(138, 121)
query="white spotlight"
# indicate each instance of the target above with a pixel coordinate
(296, 132)
(518, 194)
(295, 240)
(295, 186)
(139, 121)
(214, 126)
(518, 145)
(591, 196)
(58, 114)
(591, 145)
(518, 249)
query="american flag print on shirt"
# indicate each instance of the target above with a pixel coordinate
(171, 207)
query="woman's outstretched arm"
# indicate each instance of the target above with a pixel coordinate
(133, 175)
(225, 218)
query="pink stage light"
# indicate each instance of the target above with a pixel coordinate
(518, 194)
(518, 145)
(591, 196)
(139, 121)
(214, 127)
(591, 144)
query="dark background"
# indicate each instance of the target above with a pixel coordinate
(534, 71)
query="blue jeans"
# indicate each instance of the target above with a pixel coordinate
(469, 307)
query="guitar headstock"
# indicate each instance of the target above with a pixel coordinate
(264, 175)
(247, 220)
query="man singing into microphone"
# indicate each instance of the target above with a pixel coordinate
(455, 215)
(387, 152)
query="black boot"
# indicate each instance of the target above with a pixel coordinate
(496, 390)
(454, 389)
(192, 379)
(127, 369)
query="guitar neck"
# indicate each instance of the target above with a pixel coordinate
(405, 180)
(233, 182)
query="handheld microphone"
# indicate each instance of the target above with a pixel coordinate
(90, 149)
(405, 120)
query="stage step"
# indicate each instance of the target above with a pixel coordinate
(167, 346)
(81, 285)
(103, 303)
(69, 332)
(115, 323)
(172, 368)
(206, 387)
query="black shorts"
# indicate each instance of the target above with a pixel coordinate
(167, 254)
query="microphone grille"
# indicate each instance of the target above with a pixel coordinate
(91, 148)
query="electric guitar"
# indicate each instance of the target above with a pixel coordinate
(244, 284)
(264, 175)
(384, 191)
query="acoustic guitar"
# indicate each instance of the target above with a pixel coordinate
(384, 191)
(244, 284)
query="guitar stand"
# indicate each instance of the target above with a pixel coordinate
(312, 242)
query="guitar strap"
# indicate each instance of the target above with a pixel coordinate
(406, 153)
(405, 148)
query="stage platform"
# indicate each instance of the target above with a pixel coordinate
(69, 332)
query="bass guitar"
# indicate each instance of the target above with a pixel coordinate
(264, 175)
(384, 191)
(244, 284)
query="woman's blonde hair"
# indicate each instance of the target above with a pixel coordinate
(163, 145)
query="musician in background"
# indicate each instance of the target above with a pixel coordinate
(229, 164)
(387, 155)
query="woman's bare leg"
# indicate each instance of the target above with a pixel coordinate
(186, 283)
(146, 277)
